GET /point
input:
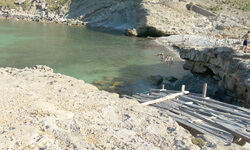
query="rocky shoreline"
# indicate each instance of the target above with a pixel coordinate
(44, 110)
(221, 61)
(41, 109)
(43, 16)
(137, 18)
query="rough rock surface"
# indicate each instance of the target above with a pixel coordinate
(40, 109)
(224, 61)
(148, 17)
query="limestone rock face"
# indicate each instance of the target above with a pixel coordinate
(149, 18)
(118, 14)
(231, 69)
(216, 59)
(43, 110)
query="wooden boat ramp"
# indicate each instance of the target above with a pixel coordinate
(199, 113)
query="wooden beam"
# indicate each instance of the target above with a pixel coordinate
(182, 88)
(234, 130)
(204, 92)
(197, 127)
(219, 108)
(210, 111)
(245, 110)
(168, 97)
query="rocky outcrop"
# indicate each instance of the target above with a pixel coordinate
(43, 110)
(147, 17)
(216, 58)
(40, 109)
(227, 65)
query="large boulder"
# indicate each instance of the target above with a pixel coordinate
(131, 32)
(157, 80)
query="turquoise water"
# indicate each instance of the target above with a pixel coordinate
(84, 53)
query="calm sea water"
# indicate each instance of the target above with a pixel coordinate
(83, 53)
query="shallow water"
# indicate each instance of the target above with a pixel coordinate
(83, 53)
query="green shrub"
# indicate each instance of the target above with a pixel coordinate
(26, 5)
(198, 141)
(53, 6)
(244, 5)
(8, 3)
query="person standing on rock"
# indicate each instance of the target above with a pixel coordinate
(245, 42)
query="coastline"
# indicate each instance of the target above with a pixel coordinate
(196, 41)
(222, 60)
(167, 42)
(60, 110)
(41, 109)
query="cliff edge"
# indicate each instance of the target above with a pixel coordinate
(146, 17)
(44, 110)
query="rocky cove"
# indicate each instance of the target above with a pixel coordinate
(44, 110)
(41, 109)
(230, 68)
(139, 18)
(223, 63)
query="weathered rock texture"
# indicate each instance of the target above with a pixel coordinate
(224, 61)
(230, 67)
(40, 109)
(149, 18)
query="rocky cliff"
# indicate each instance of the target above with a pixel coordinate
(147, 17)
(225, 64)
(43, 110)
(218, 59)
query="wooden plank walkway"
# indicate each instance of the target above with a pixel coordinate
(207, 116)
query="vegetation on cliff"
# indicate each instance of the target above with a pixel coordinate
(52, 4)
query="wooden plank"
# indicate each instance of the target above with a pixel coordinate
(227, 137)
(167, 106)
(227, 127)
(126, 96)
(159, 94)
(168, 97)
(210, 111)
(220, 108)
(236, 131)
(236, 121)
(231, 121)
(204, 119)
(245, 110)
(184, 121)
(201, 127)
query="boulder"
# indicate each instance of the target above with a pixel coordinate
(158, 79)
(188, 65)
(131, 32)
(171, 79)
